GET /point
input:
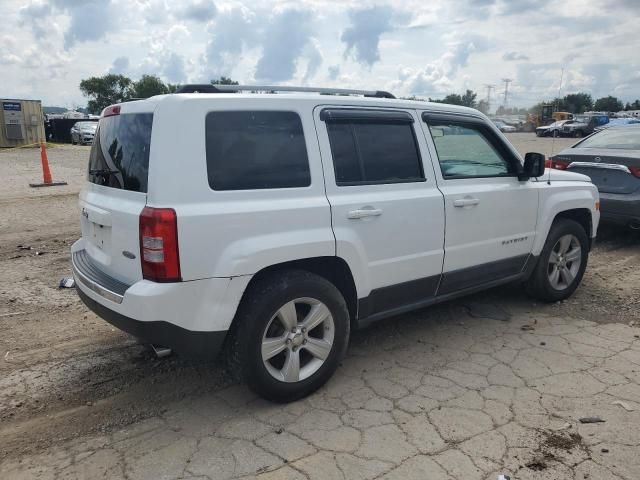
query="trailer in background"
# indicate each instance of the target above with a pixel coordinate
(21, 122)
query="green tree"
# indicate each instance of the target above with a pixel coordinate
(608, 104)
(106, 90)
(633, 106)
(148, 86)
(469, 99)
(578, 102)
(223, 81)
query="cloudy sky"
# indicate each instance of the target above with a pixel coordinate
(410, 47)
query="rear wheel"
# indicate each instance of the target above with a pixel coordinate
(293, 331)
(562, 262)
(577, 134)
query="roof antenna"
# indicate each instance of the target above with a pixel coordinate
(553, 138)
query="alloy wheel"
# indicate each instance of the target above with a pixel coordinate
(564, 262)
(298, 340)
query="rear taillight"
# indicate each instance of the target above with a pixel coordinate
(635, 171)
(559, 164)
(548, 163)
(159, 252)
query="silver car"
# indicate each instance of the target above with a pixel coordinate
(83, 132)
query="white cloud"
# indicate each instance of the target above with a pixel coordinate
(120, 66)
(409, 47)
(197, 10)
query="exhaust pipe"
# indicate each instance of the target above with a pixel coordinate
(161, 351)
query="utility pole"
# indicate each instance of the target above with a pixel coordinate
(506, 81)
(489, 87)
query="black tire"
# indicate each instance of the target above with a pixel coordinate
(260, 304)
(539, 285)
(556, 133)
(578, 134)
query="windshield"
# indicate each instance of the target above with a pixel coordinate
(119, 156)
(582, 119)
(616, 138)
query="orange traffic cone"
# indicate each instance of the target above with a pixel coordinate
(46, 173)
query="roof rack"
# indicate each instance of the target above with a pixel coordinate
(217, 88)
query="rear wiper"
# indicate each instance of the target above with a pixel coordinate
(103, 171)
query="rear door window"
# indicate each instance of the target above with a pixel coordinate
(119, 156)
(371, 150)
(249, 150)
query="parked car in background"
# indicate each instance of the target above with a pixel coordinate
(503, 127)
(611, 158)
(583, 125)
(552, 130)
(83, 132)
(294, 219)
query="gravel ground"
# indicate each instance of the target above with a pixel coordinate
(460, 390)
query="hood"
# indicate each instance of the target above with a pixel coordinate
(563, 176)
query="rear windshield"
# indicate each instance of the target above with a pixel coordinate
(120, 154)
(620, 138)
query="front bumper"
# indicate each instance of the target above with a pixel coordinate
(620, 209)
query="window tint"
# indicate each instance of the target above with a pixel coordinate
(370, 153)
(256, 150)
(119, 156)
(465, 151)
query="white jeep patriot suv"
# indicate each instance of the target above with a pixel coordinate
(276, 223)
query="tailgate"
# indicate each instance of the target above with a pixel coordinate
(116, 193)
(110, 229)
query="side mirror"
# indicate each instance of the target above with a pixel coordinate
(533, 166)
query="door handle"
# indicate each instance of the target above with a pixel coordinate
(364, 212)
(466, 202)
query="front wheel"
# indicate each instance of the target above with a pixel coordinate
(562, 262)
(293, 332)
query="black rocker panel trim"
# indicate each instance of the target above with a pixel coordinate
(405, 297)
(479, 274)
(393, 296)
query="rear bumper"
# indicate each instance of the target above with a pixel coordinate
(192, 317)
(620, 209)
(202, 345)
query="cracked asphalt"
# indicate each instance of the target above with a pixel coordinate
(451, 397)
(493, 384)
